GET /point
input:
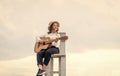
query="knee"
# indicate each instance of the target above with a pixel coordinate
(48, 53)
(39, 54)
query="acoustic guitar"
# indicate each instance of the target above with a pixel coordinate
(46, 43)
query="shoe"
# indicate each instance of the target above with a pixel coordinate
(38, 73)
(42, 72)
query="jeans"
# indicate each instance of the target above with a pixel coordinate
(43, 57)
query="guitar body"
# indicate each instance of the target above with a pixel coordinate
(39, 46)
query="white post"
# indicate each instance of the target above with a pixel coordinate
(62, 44)
(62, 60)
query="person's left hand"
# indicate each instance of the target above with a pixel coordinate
(56, 40)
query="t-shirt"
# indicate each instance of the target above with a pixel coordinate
(51, 36)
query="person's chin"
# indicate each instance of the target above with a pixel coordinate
(55, 29)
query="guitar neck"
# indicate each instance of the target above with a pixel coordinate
(52, 40)
(60, 38)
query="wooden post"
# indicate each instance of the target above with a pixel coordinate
(62, 60)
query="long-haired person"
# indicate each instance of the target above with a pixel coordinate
(44, 55)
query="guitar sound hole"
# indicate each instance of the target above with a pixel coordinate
(44, 43)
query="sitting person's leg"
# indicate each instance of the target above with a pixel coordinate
(40, 56)
(48, 54)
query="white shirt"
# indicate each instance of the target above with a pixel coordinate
(52, 36)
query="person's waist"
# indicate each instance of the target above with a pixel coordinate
(54, 46)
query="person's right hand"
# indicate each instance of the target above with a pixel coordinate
(41, 41)
(56, 40)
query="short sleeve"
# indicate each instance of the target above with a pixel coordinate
(38, 38)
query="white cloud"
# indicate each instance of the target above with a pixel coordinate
(90, 63)
(20, 67)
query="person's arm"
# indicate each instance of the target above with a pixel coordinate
(39, 38)
(56, 39)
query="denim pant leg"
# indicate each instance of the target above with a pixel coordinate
(48, 54)
(40, 56)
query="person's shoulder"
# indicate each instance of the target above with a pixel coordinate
(41, 35)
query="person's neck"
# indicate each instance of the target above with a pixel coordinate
(53, 31)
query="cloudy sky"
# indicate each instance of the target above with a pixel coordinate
(92, 26)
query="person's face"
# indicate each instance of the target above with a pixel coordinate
(55, 26)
